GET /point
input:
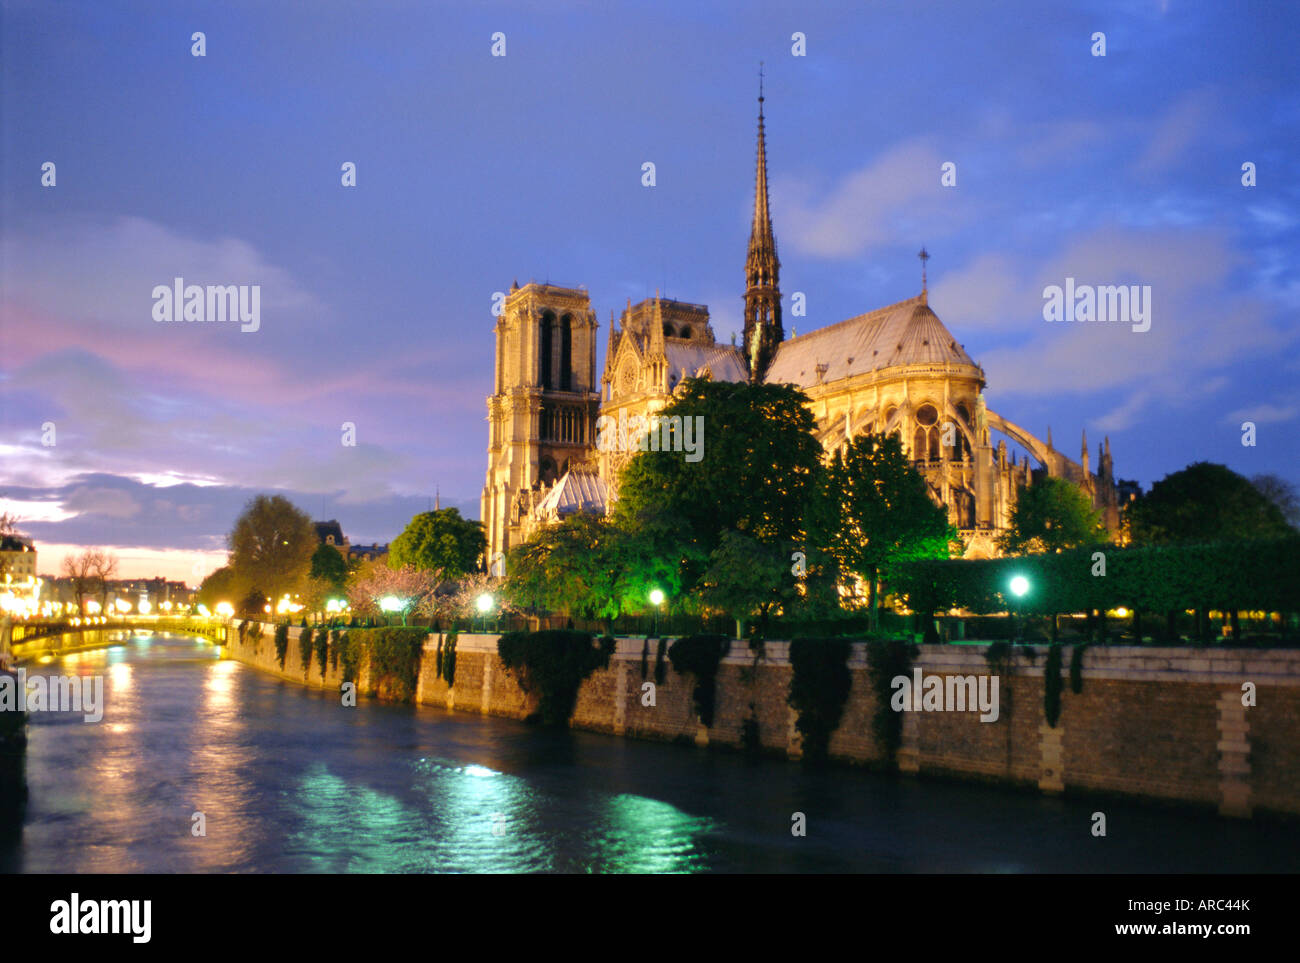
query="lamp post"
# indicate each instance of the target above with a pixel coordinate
(656, 599)
(484, 605)
(391, 603)
(1019, 588)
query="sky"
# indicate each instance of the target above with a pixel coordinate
(474, 170)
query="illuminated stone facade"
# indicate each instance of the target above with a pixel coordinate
(895, 370)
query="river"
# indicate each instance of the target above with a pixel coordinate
(289, 781)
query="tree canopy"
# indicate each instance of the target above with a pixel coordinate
(1204, 502)
(1052, 515)
(875, 511)
(271, 546)
(757, 472)
(439, 541)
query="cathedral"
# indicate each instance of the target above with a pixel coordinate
(896, 369)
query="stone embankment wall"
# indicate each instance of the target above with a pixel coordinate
(1161, 723)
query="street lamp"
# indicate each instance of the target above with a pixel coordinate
(391, 603)
(484, 605)
(1019, 588)
(656, 599)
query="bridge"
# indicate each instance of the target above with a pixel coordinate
(24, 639)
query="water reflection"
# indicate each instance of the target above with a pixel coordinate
(288, 780)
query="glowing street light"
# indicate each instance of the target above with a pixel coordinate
(391, 603)
(656, 599)
(224, 609)
(485, 603)
(1019, 587)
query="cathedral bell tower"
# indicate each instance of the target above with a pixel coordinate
(542, 416)
(763, 331)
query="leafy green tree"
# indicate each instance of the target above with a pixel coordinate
(585, 566)
(439, 541)
(329, 566)
(1052, 515)
(220, 586)
(271, 546)
(746, 578)
(756, 474)
(1204, 502)
(880, 513)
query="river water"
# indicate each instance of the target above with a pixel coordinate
(288, 780)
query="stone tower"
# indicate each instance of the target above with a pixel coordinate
(763, 331)
(541, 418)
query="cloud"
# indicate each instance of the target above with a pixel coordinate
(1264, 414)
(896, 196)
(1193, 117)
(101, 501)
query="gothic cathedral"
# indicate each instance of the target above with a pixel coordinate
(894, 369)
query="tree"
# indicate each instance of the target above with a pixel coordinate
(1281, 493)
(412, 590)
(881, 513)
(756, 474)
(329, 566)
(103, 566)
(585, 566)
(1051, 515)
(79, 570)
(271, 546)
(440, 541)
(219, 586)
(1204, 502)
(8, 526)
(747, 578)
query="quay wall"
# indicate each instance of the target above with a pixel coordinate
(1166, 724)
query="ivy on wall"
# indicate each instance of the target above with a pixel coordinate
(304, 648)
(281, 642)
(1052, 685)
(551, 665)
(819, 689)
(395, 654)
(447, 658)
(888, 658)
(321, 642)
(700, 655)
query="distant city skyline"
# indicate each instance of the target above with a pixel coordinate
(473, 171)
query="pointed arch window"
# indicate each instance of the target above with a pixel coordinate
(547, 358)
(566, 353)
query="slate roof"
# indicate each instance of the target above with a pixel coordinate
(904, 333)
(722, 360)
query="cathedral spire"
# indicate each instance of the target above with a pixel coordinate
(763, 331)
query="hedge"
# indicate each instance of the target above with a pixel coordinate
(1255, 575)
